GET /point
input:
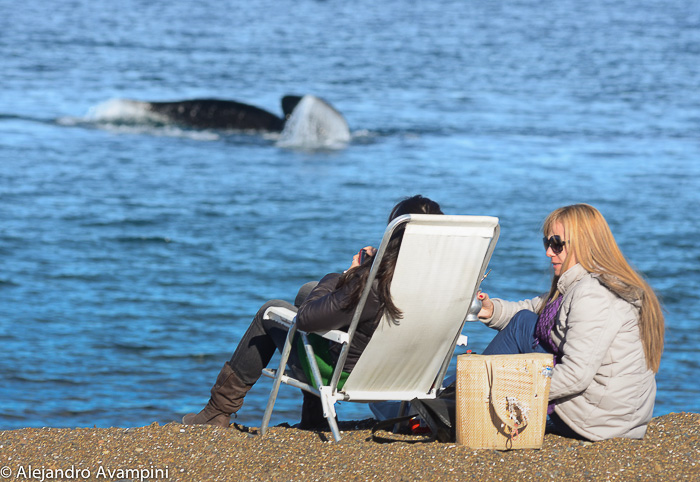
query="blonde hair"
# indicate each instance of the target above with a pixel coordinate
(589, 239)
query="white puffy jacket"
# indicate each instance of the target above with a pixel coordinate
(602, 386)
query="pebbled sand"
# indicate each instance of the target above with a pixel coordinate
(174, 452)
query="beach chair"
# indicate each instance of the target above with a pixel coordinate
(441, 263)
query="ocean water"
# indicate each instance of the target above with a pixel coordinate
(134, 254)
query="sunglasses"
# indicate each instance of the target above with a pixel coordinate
(554, 242)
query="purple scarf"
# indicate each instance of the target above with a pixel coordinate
(545, 323)
(543, 334)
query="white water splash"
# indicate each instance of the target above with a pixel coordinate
(315, 124)
(123, 110)
(134, 117)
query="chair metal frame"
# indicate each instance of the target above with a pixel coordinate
(329, 394)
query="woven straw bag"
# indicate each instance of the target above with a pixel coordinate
(502, 400)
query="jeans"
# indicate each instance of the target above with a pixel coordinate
(517, 337)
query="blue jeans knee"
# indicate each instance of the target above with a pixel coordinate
(517, 337)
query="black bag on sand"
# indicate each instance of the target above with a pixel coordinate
(438, 413)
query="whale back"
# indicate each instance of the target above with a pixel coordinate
(218, 114)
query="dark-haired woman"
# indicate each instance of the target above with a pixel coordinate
(601, 321)
(328, 306)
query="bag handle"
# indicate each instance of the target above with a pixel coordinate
(512, 412)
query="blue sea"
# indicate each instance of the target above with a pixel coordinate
(134, 254)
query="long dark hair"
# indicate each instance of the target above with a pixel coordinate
(357, 277)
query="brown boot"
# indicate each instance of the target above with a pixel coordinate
(226, 398)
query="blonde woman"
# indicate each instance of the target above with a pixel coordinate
(601, 321)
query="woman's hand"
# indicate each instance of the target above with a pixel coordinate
(369, 250)
(486, 311)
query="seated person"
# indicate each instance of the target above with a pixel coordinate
(601, 321)
(329, 306)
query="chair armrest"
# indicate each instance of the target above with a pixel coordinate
(334, 335)
(287, 317)
(284, 316)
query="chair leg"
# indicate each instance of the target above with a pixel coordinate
(325, 391)
(278, 379)
(334, 428)
(329, 410)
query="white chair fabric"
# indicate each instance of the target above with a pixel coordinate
(440, 266)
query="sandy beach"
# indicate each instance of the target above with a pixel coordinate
(670, 451)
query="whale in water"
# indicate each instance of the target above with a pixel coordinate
(222, 114)
(307, 121)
